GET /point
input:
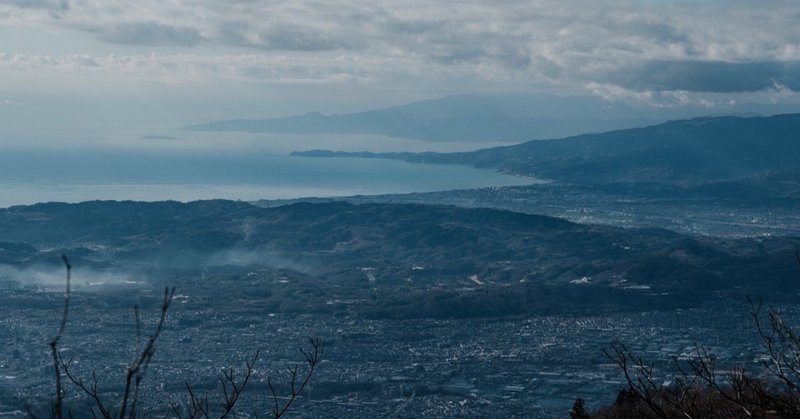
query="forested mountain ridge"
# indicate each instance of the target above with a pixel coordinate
(694, 151)
(406, 250)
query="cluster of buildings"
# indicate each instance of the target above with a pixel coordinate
(533, 366)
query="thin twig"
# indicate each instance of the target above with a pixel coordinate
(90, 390)
(231, 390)
(54, 342)
(139, 366)
(313, 358)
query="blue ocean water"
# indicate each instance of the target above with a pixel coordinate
(30, 177)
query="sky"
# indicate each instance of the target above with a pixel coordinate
(76, 68)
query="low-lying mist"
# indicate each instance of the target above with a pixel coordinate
(50, 278)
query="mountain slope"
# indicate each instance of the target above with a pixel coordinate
(484, 262)
(695, 150)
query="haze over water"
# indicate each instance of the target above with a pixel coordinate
(227, 172)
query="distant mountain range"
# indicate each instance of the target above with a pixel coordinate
(486, 117)
(406, 260)
(695, 151)
(459, 118)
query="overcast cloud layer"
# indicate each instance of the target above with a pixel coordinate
(661, 53)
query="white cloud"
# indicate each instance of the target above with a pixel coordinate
(52, 5)
(9, 102)
(633, 47)
(149, 33)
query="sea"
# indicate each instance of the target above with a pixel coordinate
(243, 167)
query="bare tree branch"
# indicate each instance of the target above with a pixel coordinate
(232, 385)
(90, 390)
(231, 390)
(57, 407)
(313, 357)
(638, 375)
(138, 367)
(198, 406)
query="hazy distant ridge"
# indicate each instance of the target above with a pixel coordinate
(457, 118)
(701, 149)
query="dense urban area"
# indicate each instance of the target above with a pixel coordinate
(423, 367)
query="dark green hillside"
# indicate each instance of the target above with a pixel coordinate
(404, 259)
(695, 151)
(692, 150)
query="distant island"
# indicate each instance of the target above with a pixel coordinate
(159, 137)
(458, 118)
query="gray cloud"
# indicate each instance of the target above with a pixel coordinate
(630, 49)
(708, 76)
(39, 4)
(149, 33)
(298, 38)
